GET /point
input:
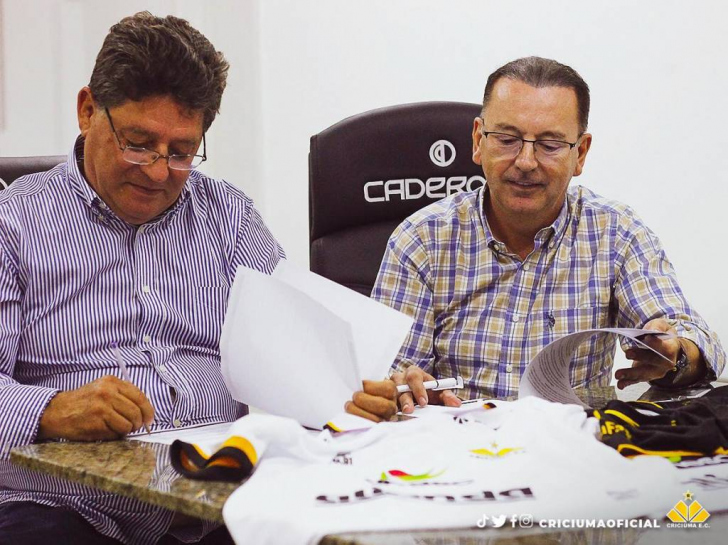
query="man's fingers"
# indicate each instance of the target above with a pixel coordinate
(405, 400)
(381, 388)
(124, 407)
(622, 384)
(642, 372)
(415, 377)
(449, 399)
(666, 347)
(117, 425)
(382, 407)
(352, 408)
(137, 397)
(659, 324)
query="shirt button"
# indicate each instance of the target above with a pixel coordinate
(687, 327)
(146, 288)
(162, 368)
(516, 317)
(147, 339)
(509, 368)
(525, 267)
(177, 422)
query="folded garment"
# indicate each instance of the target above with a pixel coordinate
(675, 429)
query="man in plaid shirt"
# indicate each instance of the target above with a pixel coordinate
(494, 275)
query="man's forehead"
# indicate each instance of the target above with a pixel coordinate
(157, 116)
(544, 109)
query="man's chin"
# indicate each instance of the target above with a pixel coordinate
(137, 215)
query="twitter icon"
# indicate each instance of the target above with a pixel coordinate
(498, 521)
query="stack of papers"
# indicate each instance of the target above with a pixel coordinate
(547, 376)
(298, 345)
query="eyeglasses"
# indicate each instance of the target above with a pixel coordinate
(509, 146)
(144, 156)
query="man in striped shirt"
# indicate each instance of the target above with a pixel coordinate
(494, 275)
(124, 243)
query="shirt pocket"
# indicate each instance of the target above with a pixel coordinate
(561, 322)
(594, 356)
(206, 311)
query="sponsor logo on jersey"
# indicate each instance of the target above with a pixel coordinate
(397, 474)
(397, 477)
(510, 495)
(494, 452)
(708, 481)
(688, 462)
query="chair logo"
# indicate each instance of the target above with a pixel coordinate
(442, 153)
(688, 513)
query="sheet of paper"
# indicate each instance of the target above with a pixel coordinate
(203, 436)
(378, 330)
(284, 352)
(547, 376)
(297, 345)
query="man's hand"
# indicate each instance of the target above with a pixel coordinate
(107, 408)
(377, 401)
(646, 365)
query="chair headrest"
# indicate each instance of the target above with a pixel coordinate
(385, 164)
(12, 168)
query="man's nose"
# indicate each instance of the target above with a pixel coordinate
(526, 158)
(158, 171)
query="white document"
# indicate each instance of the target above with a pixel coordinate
(206, 434)
(547, 376)
(297, 345)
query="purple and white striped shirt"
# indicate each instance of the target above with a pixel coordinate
(483, 313)
(74, 278)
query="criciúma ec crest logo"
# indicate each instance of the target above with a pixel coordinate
(688, 513)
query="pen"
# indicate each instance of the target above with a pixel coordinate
(442, 384)
(122, 366)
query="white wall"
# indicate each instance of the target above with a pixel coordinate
(656, 69)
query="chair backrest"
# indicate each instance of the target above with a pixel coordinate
(12, 168)
(370, 171)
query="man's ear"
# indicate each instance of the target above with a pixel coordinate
(85, 108)
(583, 149)
(477, 138)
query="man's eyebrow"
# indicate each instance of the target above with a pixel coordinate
(153, 137)
(555, 135)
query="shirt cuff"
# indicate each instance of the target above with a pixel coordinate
(22, 407)
(708, 344)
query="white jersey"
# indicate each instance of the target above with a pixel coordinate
(527, 457)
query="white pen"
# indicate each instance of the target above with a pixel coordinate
(442, 384)
(122, 366)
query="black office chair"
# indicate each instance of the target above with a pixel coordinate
(12, 168)
(370, 171)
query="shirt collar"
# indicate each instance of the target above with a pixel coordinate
(89, 196)
(555, 230)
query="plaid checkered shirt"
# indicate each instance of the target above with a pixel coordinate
(483, 313)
